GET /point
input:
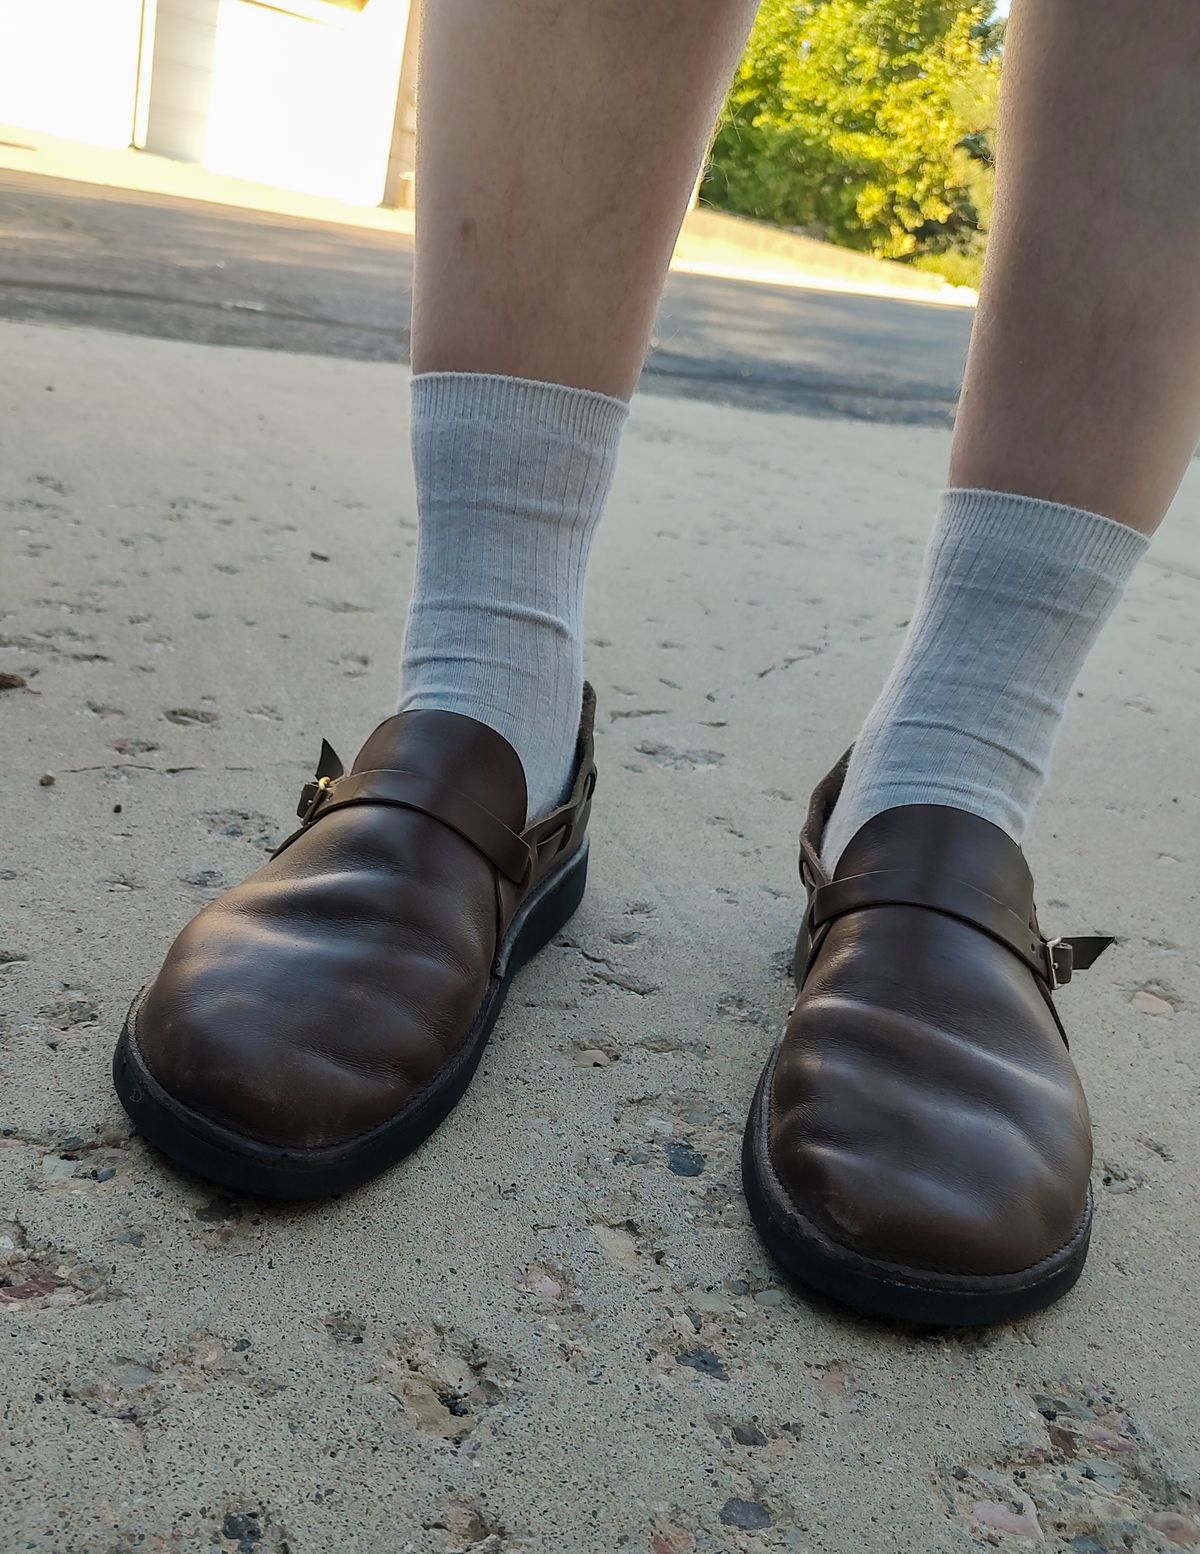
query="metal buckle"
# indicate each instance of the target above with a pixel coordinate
(1055, 948)
(310, 797)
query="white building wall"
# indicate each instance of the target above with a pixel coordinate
(295, 93)
(69, 67)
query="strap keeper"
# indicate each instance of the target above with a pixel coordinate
(811, 872)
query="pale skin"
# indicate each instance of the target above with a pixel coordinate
(1083, 379)
(558, 144)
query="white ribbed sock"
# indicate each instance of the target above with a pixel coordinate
(1013, 594)
(511, 481)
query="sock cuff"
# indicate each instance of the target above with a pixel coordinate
(580, 415)
(1085, 540)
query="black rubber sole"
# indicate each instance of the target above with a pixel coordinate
(816, 1262)
(247, 1166)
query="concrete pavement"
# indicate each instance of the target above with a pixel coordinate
(552, 1331)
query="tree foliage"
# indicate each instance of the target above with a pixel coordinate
(868, 122)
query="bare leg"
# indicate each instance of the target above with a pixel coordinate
(557, 148)
(1083, 381)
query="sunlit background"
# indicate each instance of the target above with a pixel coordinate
(863, 123)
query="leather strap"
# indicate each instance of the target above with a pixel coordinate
(549, 835)
(1075, 954)
(502, 847)
(1053, 961)
(820, 807)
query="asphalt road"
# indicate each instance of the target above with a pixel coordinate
(180, 269)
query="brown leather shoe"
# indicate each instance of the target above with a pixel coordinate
(919, 1146)
(317, 1022)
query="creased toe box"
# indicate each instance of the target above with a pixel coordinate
(902, 1138)
(303, 1021)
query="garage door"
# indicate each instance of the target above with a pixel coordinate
(69, 67)
(303, 94)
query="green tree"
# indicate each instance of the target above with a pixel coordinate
(866, 121)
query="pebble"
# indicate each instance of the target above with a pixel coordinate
(1182, 1531)
(36, 1287)
(1051, 1407)
(135, 1375)
(592, 1057)
(241, 1527)
(684, 1160)
(749, 1435)
(672, 1540)
(1119, 1180)
(770, 1298)
(704, 1361)
(617, 1243)
(1101, 1435)
(46, 780)
(1146, 1002)
(1106, 1474)
(12, 682)
(712, 1302)
(537, 1281)
(1020, 1520)
(749, 1515)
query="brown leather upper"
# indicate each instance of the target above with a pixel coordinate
(923, 1110)
(311, 1002)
